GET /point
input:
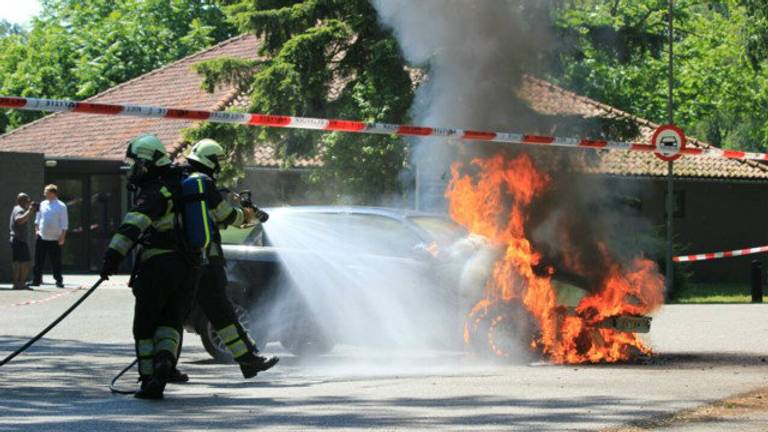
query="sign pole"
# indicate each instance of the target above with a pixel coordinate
(670, 164)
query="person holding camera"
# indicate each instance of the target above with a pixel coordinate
(22, 213)
(51, 224)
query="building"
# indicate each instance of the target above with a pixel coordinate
(83, 153)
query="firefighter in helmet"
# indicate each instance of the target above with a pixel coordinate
(204, 161)
(163, 279)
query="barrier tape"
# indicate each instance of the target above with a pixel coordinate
(47, 299)
(278, 121)
(718, 255)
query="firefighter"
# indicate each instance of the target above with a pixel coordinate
(204, 162)
(163, 281)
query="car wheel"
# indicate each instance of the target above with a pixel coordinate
(504, 331)
(213, 344)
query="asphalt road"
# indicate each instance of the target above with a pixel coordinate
(705, 353)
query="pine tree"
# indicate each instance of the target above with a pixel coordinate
(327, 59)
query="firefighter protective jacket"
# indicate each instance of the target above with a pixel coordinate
(151, 220)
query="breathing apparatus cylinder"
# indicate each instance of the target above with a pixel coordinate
(198, 227)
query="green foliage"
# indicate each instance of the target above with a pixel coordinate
(8, 28)
(757, 31)
(713, 293)
(616, 53)
(77, 48)
(327, 59)
(231, 71)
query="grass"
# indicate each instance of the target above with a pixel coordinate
(702, 293)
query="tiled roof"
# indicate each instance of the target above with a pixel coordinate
(547, 98)
(70, 135)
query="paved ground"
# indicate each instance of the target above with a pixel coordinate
(706, 353)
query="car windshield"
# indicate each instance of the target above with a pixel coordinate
(442, 230)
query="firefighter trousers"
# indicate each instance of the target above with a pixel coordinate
(213, 301)
(164, 292)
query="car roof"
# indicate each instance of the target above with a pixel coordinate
(389, 212)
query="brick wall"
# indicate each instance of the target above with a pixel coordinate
(19, 172)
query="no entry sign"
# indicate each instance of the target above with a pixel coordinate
(669, 141)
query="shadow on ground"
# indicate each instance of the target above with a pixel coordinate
(62, 385)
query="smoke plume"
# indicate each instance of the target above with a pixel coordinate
(475, 55)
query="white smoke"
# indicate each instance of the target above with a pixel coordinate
(474, 54)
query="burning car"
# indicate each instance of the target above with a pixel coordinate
(556, 284)
(443, 258)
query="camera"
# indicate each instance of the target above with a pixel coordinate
(35, 206)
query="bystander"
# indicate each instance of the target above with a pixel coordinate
(21, 215)
(51, 224)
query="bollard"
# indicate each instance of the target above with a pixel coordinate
(757, 281)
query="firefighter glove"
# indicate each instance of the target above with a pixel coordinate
(112, 259)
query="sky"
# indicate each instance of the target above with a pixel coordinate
(18, 11)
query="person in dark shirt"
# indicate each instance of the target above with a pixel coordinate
(21, 215)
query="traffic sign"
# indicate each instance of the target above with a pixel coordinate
(669, 141)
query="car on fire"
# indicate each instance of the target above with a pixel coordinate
(457, 264)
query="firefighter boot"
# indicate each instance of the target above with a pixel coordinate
(178, 377)
(154, 387)
(252, 363)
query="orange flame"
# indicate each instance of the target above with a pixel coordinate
(494, 203)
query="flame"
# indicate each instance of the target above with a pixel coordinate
(494, 202)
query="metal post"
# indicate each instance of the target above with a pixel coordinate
(757, 281)
(670, 165)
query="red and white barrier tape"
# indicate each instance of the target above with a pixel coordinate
(718, 255)
(57, 105)
(47, 299)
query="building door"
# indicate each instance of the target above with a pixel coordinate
(72, 189)
(95, 206)
(105, 215)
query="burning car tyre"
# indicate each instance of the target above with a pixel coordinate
(503, 330)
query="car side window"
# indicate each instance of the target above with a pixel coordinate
(363, 233)
(381, 235)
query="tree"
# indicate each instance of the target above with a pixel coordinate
(8, 28)
(617, 56)
(77, 48)
(324, 58)
(757, 31)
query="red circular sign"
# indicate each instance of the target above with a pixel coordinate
(669, 141)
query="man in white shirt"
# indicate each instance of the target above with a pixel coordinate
(51, 224)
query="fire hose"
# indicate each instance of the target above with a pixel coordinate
(53, 324)
(75, 305)
(333, 125)
(113, 384)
